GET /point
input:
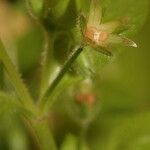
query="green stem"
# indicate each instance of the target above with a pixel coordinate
(46, 62)
(41, 133)
(30, 10)
(82, 137)
(21, 89)
(40, 126)
(61, 74)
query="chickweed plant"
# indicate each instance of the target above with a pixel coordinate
(79, 37)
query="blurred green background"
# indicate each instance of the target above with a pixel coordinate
(123, 122)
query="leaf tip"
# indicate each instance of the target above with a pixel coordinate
(134, 45)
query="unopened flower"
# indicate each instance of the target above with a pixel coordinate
(88, 98)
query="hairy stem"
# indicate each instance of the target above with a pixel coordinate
(47, 96)
(20, 87)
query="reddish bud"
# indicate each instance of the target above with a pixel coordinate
(88, 98)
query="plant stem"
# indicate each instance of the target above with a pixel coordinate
(30, 10)
(82, 137)
(21, 89)
(41, 133)
(46, 62)
(76, 52)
